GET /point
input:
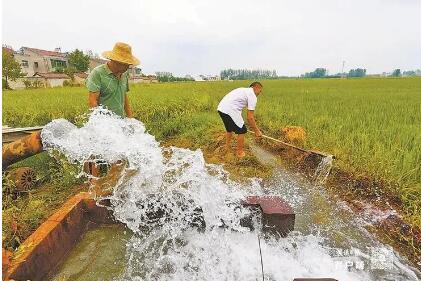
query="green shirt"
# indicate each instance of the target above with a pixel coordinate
(112, 91)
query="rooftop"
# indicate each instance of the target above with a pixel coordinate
(46, 53)
(52, 75)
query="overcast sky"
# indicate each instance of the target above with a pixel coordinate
(204, 37)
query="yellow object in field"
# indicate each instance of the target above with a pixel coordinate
(294, 134)
(21, 149)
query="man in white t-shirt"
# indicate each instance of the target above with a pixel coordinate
(230, 109)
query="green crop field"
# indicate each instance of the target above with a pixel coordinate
(371, 125)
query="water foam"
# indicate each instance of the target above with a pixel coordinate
(178, 183)
(323, 170)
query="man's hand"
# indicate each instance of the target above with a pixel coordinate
(127, 107)
(93, 99)
(258, 133)
(252, 123)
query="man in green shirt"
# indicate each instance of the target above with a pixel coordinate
(108, 83)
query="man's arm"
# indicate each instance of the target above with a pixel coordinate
(93, 99)
(127, 107)
(252, 123)
(93, 83)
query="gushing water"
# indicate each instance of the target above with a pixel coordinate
(323, 170)
(198, 235)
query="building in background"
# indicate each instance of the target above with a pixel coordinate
(39, 66)
(52, 79)
(143, 79)
(202, 77)
(42, 61)
(43, 67)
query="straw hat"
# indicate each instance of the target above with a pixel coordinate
(121, 52)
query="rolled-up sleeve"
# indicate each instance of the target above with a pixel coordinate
(251, 101)
(93, 82)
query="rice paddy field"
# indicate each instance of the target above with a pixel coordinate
(371, 125)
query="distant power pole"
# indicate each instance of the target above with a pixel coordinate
(343, 66)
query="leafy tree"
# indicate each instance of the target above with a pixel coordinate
(317, 73)
(409, 73)
(246, 74)
(78, 60)
(70, 71)
(10, 68)
(164, 76)
(396, 73)
(359, 72)
(168, 77)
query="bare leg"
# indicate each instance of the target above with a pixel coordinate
(240, 146)
(228, 138)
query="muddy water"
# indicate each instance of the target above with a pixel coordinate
(328, 241)
(100, 255)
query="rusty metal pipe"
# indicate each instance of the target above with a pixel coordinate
(21, 149)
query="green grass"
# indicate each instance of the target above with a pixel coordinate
(371, 125)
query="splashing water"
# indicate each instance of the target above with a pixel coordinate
(323, 170)
(199, 235)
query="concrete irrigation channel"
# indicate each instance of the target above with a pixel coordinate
(292, 215)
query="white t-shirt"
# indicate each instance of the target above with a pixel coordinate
(235, 101)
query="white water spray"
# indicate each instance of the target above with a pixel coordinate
(199, 236)
(323, 170)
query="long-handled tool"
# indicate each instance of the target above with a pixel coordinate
(296, 147)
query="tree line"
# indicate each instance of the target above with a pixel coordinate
(246, 74)
(163, 76)
(79, 62)
(358, 72)
(323, 73)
